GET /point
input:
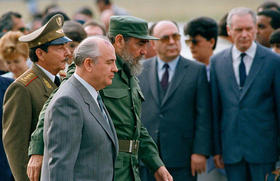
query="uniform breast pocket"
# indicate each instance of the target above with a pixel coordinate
(115, 93)
(115, 99)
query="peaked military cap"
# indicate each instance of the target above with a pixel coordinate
(129, 26)
(51, 33)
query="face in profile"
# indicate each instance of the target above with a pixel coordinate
(201, 48)
(104, 68)
(56, 57)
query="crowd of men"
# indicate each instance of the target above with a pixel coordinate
(116, 101)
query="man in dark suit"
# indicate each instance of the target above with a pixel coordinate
(5, 172)
(245, 86)
(79, 135)
(176, 110)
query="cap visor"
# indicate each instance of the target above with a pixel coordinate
(61, 40)
(145, 37)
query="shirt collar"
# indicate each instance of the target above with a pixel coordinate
(172, 64)
(249, 52)
(50, 75)
(89, 87)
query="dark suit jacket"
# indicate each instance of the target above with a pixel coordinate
(246, 122)
(5, 172)
(80, 145)
(180, 124)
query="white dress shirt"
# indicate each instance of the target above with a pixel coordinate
(171, 70)
(50, 75)
(90, 88)
(248, 60)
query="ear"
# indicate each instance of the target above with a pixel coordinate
(88, 64)
(40, 54)
(119, 41)
(212, 42)
(228, 31)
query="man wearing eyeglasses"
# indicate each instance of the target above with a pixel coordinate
(12, 21)
(176, 110)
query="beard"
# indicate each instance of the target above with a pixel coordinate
(133, 64)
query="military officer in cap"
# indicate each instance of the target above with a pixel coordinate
(129, 36)
(26, 95)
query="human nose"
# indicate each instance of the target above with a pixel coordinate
(143, 50)
(12, 67)
(115, 69)
(67, 52)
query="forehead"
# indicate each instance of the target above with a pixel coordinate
(242, 21)
(106, 49)
(263, 19)
(165, 28)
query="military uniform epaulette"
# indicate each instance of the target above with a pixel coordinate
(27, 78)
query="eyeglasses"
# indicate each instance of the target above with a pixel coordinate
(166, 38)
(276, 45)
(193, 41)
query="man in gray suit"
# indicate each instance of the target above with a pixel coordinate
(245, 83)
(79, 136)
(176, 110)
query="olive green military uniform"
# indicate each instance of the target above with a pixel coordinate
(22, 104)
(123, 101)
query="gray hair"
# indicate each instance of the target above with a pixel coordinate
(241, 11)
(88, 48)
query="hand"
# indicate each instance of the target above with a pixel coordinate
(162, 174)
(34, 167)
(219, 163)
(198, 163)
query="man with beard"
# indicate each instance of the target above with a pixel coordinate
(129, 36)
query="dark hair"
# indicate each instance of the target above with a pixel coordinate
(106, 2)
(274, 15)
(151, 28)
(6, 21)
(74, 31)
(223, 26)
(269, 5)
(203, 26)
(48, 16)
(32, 51)
(50, 7)
(112, 38)
(275, 37)
(86, 11)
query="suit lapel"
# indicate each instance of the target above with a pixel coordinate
(229, 73)
(94, 108)
(255, 68)
(176, 80)
(152, 78)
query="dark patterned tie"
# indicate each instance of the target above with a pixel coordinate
(165, 77)
(57, 81)
(101, 106)
(242, 70)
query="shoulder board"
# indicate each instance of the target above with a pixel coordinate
(27, 78)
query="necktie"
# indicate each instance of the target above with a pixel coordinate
(101, 106)
(165, 77)
(242, 70)
(57, 81)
